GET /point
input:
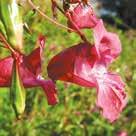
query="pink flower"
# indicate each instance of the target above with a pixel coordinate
(86, 65)
(82, 17)
(30, 70)
(107, 44)
(122, 133)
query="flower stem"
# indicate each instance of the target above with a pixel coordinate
(67, 15)
(6, 44)
(58, 7)
(81, 34)
(48, 18)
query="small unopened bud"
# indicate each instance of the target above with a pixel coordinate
(17, 91)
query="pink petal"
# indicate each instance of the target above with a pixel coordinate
(72, 65)
(28, 77)
(122, 133)
(82, 16)
(111, 96)
(31, 80)
(5, 71)
(107, 44)
(50, 91)
(6, 64)
(33, 61)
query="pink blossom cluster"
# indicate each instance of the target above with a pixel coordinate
(87, 64)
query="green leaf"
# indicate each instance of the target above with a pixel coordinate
(30, 14)
(17, 91)
(2, 29)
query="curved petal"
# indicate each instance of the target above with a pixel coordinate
(111, 96)
(28, 77)
(73, 65)
(5, 71)
(6, 64)
(33, 61)
(31, 80)
(122, 133)
(108, 45)
(50, 91)
(82, 16)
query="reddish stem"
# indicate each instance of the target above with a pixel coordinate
(58, 24)
(81, 34)
(48, 18)
(6, 44)
(67, 15)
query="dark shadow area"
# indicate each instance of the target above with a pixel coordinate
(119, 12)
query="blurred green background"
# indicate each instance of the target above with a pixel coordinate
(76, 113)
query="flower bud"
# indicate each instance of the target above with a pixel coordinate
(17, 91)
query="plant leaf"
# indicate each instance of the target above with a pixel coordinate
(2, 28)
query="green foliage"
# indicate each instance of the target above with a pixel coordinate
(76, 113)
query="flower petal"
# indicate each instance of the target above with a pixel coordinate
(31, 80)
(122, 133)
(33, 61)
(107, 44)
(73, 65)
(5, 71)
(6, 64)
(82, 16)
(111, 96)
(28, 77)
(50, 91)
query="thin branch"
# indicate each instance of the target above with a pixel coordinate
(7, 45)
(81, 34)
(48, 18)
(59, 8)
(2, 46)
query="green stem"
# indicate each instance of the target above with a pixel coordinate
(6, 44)
(48, 18)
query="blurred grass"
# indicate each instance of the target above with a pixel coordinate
(75, 114)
